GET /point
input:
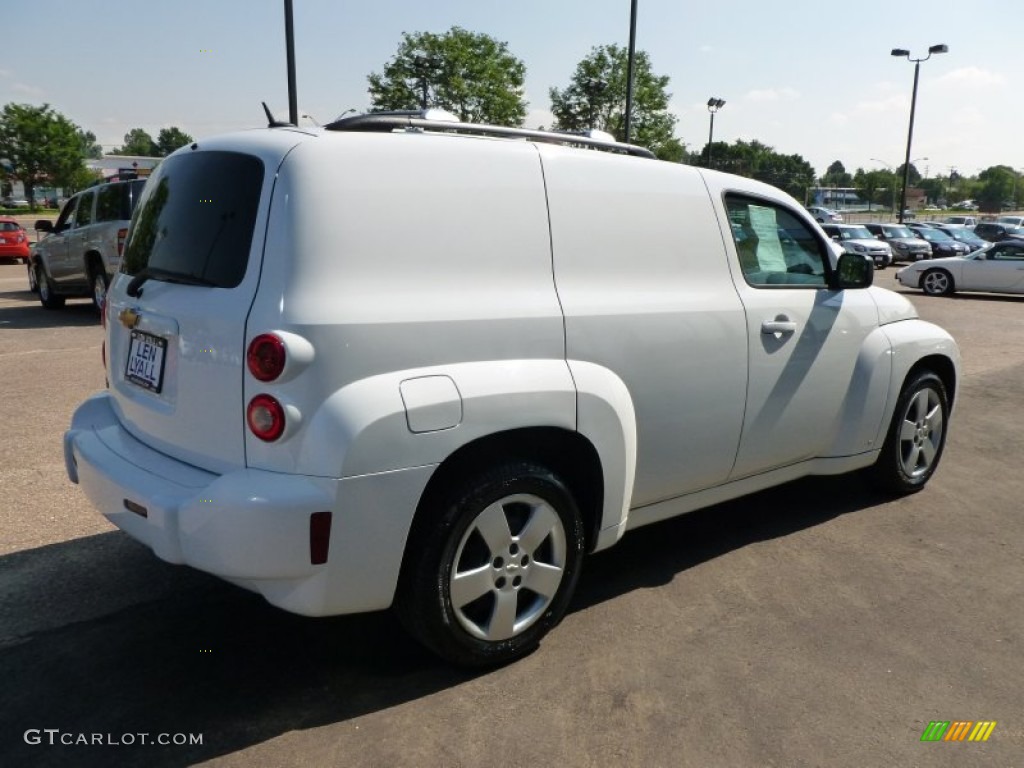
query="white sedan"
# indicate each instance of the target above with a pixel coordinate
(997, 267)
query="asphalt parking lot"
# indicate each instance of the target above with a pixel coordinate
(814, 624)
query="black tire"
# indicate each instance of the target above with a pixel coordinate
(916, 437)
(97, 275)
(937, 282)
(33, 283)
(542, 533)
(46, 295)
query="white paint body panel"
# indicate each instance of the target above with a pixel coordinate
(432, 290)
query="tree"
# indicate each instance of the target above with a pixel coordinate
(790, 173)
(138, 142)
(997, 186)
(836, 176)
(876, 187)
(467, 73)
(90, 148)
(596, 98)
(40, 145)
(915, 175)
(170, 139)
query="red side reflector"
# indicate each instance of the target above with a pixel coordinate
(319, 537)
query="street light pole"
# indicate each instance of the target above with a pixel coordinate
(714, 104)
(629, 70)
(913, 106)
(289, 42)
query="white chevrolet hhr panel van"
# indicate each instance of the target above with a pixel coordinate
(431, 365)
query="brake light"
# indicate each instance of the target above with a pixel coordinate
(265, 357)
(265, 416)
(122, 235)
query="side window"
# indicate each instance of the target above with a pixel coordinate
(1007, 253)
(84, 215)
(108, 203)
(775, 247)
(66, 220)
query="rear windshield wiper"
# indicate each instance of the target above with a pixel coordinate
(168, 276)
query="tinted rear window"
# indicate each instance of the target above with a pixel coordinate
(115, 202)
(196, 217)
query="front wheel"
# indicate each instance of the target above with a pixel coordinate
(937, 282)
(496, 567)
(916, 437)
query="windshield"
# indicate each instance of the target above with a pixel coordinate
(856, 233)
(894, 231)
(933, 235)
(195, 219)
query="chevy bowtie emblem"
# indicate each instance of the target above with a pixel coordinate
(129, 318)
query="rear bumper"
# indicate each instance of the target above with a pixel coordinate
(251, 527)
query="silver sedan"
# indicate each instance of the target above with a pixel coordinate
(997, 267)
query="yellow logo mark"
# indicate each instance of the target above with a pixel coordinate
(129, 318)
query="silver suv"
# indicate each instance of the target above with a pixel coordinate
(80, 254)
(858, 239)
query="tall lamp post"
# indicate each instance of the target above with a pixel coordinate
(888, 167)
(942, 48)
(714, 104)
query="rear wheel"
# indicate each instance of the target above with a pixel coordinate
(33, 283)
(46, 295)
(496, 567)
(98, 282)
(937, 282)
(916, 437)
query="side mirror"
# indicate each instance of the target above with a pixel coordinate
(44, 225)
(854, 270)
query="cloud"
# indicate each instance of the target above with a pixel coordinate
(28, 90)
(972, 77)
(895, 102)
(839, 118)
(773, 94)
(706, 48)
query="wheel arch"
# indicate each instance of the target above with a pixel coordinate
(942, 367)
(92, 255)
(568, 454)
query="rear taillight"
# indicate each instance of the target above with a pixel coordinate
(265, 357)
(265, 416)
(122, 235)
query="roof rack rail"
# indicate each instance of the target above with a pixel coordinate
(391, 121)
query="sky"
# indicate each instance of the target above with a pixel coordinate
(809, 78)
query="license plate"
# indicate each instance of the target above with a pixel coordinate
(146, 361)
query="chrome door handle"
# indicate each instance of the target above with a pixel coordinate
(780, 324)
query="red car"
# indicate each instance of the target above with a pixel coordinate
(13, 241)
